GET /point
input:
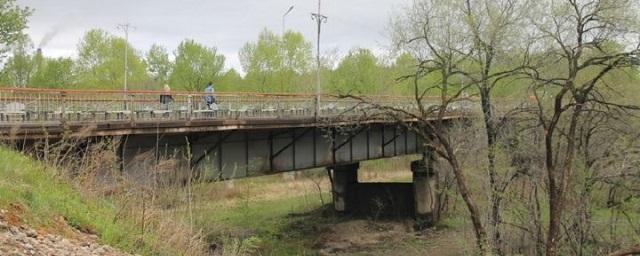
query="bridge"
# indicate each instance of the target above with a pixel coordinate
(246, 134)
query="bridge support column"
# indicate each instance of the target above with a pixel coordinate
(424, 188)
(343, 178)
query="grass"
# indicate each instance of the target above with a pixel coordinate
(264, 215)
(263, 224)
(41, 198)
(257, 215)
(271, 216)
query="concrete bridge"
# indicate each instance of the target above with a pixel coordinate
(246, 134)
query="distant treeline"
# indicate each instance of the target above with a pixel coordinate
(272, 63)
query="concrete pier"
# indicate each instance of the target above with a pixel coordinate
(424, 187)
(344, 177)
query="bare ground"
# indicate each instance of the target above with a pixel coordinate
(17, 238)
(346, 236)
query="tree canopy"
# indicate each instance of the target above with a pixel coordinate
(101, 61)
(195, 65)
(276, 63)
(13, 20)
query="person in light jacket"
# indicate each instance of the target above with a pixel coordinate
(165, 98)
(209, 98)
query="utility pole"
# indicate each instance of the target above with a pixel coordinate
(319, 19)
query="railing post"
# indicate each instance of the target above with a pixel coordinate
(189, 107)
(131, 109)
(278, 107)
(125, 100)
(63, 101)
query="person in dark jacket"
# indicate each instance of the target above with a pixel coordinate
(209, 98)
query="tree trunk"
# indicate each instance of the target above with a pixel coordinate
(491, 135)
(558, 182)
(476, 219)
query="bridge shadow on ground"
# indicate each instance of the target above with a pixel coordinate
(273, 215)
(329, 233)
(322, 231)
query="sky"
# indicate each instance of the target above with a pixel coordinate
(57, 25)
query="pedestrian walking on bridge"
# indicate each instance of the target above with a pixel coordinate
(166, 98)
(209, 98)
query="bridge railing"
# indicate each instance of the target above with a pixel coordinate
(41, 105)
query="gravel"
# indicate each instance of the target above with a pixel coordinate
(23, 240)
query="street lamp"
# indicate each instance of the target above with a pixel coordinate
(319, 18)
(283, 17)
(125, 27)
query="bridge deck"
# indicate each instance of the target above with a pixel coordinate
(45, 112)
(246, 134)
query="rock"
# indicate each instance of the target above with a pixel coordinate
(20, 237)
(3, 227)
(24, 240)
(31, 233)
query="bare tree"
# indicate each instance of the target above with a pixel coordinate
(582, 43)
(437, 40)
(498, 43)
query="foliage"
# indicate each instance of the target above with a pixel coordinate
(358, 73)
(13, 20)
(231, 81)
(53, 73)
(195, 65)
(159, 64)
(100, 62)
(275, 63)
(19, 67)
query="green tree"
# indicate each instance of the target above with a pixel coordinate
(260, 60)
(357, 73)
(13, 20)
(297, 59)
(195, 65)
(159, 64)
(275, 63)
(400, 74)
(101, 62)
(18, 69)
(53, 73)
(230, 81)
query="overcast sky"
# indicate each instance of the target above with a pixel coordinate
(226, 24)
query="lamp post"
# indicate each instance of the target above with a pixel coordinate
(283, 19)
(319, 19)
(125, 27)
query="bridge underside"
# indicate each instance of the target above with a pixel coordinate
(228, 154)
(247, 135)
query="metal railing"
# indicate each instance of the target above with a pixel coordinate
(44, 105)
